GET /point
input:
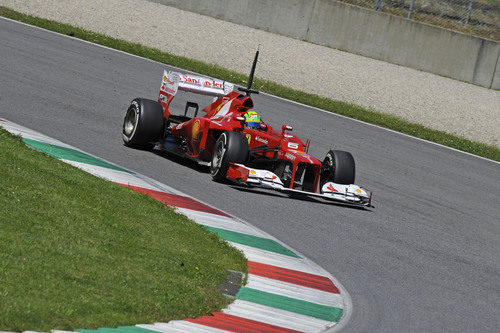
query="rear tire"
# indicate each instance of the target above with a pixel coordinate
(143, 123)
(338, 167)
(231, 147)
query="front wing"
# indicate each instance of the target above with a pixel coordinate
(348, 194)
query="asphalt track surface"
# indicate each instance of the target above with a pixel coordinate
(424, 259)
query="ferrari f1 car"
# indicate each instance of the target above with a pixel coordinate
(255, 157)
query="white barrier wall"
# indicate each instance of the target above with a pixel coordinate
(366, 32)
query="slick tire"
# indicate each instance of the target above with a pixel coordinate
(143, 123)
(338, 167)
(231, 147)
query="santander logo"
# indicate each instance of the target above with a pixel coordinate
(262, 140)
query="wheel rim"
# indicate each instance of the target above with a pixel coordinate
(327, 169)
(130, 122)
(217, 158)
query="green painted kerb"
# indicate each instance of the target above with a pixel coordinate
(253, 241)
(70, 154)
(121, 329)
(324, 312)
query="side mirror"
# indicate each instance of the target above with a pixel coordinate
(241, 119)
(285, 128)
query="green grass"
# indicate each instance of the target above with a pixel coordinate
(77, 251)
(349, 110)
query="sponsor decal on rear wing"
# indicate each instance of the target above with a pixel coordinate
(194, 83)
(204, 85)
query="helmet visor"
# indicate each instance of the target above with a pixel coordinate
(253, 124)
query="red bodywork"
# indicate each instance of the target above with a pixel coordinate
(225, 114)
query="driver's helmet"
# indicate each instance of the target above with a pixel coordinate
(252, 119)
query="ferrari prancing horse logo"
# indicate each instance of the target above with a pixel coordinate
(249, 137)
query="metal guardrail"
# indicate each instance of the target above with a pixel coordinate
(476, 17)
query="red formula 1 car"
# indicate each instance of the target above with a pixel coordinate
(256, 157)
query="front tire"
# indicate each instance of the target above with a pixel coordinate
(231, 147)
(143, 123)
(338, 167)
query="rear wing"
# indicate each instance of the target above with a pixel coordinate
(173, 81)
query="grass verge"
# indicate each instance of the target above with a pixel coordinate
(77, 251)
(349, 110)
